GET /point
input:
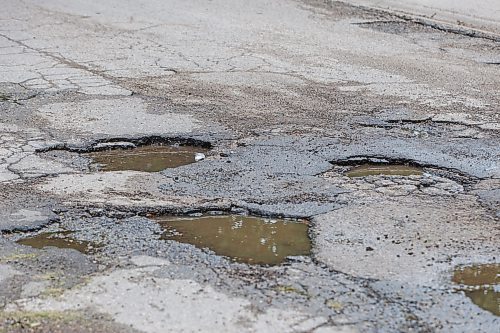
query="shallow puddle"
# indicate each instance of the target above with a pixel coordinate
(60, 240)
(151, 158)
(481, 283)
(244, 239)
(383, 169)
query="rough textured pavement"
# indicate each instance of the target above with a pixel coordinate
(481, 15)
(289, 95)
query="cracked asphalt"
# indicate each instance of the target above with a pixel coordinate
(288, 95)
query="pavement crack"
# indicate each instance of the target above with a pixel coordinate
(429, 22)
(61, 60)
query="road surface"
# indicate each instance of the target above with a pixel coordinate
(286, 99)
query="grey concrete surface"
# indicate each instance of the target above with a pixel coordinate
(289, 95)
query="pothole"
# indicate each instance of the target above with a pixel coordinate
(61, 239)
(244, 239)
(396, 27)
(481, 283)
(148, 158)
(363, 166)
(372, 169)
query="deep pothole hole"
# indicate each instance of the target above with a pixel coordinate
(366, 166)
(372, 166)
(62, 239)
(149, 154)
(481, 284)
(374, 169)
(241, 238)
(147, 158)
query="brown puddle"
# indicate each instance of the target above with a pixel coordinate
(383, 169)
(151, 158)
(57, 239)
(245, 239)
(481, 283)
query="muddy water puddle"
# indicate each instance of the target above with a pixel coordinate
(150, 158)
(62, 240)
(245, 239)
(481, 283)
(383, 169)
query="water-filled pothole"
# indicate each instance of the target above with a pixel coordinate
(481, 283)
(372, 169)
(150, 158)
(245, 239)
(60, 240)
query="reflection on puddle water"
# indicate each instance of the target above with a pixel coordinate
(481, 283)
(244, 239)
(151, 158)
(383, 169)
(57, 239)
